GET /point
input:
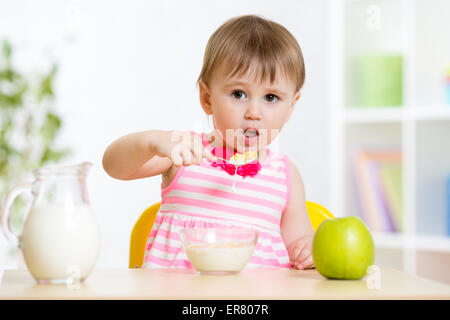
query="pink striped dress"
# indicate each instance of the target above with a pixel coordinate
(201, 196)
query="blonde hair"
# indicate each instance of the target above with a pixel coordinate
(243, 40)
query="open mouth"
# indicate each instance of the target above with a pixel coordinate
(250, 136)
(251, 132)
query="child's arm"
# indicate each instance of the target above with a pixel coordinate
(133, 156)
(149, 153)
(296, 227)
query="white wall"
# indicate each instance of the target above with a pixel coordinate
(132, 65)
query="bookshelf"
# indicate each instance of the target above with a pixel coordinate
(419, 126)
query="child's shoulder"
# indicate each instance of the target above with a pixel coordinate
(277, 161)
(283, 162)
(276, 156)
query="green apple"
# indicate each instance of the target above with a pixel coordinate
(343, 248)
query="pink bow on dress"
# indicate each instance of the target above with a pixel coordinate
(249, 169)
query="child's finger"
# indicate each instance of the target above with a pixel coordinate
(176, 157)
(198, 157)
(187, 156)
(306, 264)
(209, 155)
(197, 149)
(198, 154)
(177, 160)
(306, 252)
(295, 251)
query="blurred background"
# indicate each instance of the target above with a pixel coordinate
(369, 135)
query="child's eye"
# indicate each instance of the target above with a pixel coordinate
(272, 98)
(238, 94)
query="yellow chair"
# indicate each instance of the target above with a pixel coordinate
(141, 229)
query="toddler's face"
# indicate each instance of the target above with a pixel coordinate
(253, 112)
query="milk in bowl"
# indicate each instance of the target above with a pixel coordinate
(227, 258)
(219, 250)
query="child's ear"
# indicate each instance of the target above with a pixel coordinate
(205, 98)
(292, 107)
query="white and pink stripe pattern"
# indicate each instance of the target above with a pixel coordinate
(201, 196)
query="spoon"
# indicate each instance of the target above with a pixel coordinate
(235, 162)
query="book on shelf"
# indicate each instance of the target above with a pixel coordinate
(378, 183)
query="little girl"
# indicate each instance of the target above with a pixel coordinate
(250, 82)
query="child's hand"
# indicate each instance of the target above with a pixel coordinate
(300, 253)
(183, 148)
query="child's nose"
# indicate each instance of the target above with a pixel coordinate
(252, 112)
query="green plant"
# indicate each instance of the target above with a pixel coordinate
(29, 125)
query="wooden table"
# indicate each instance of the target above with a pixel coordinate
(173, 284)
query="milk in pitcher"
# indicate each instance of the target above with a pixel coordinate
(58, 239)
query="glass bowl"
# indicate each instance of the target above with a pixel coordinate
(219, 250)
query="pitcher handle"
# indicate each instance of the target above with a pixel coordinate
(7, 229)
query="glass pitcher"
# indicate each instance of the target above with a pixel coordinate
(60, 239)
